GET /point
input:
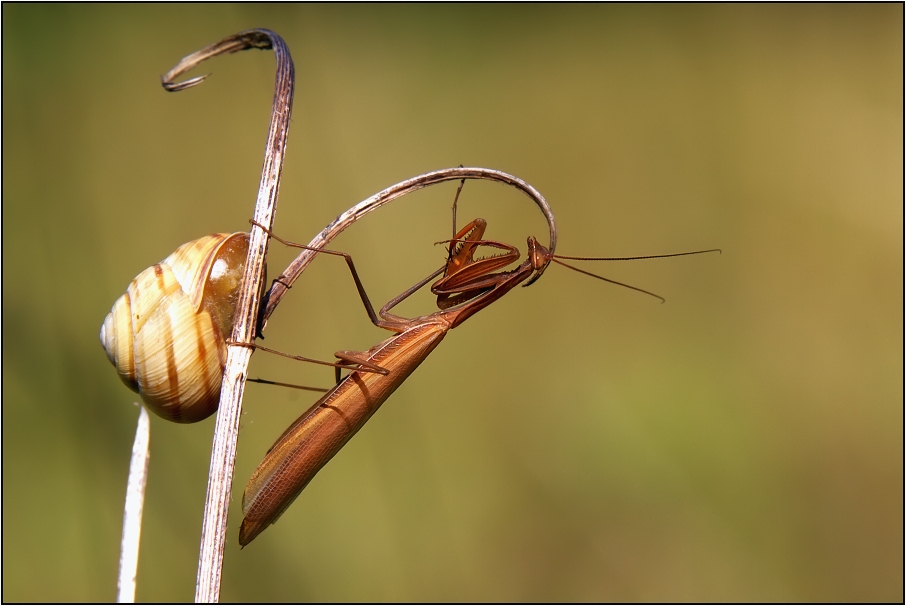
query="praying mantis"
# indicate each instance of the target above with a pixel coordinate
(468, 285)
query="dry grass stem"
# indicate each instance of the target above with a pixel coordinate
(132, 513)
(295, 269)
(226, 429)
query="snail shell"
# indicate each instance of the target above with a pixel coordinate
(166, 335)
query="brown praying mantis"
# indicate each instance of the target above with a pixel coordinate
(468, 285)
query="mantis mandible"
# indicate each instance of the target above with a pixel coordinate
(468, 286)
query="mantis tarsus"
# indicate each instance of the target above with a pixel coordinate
(468, 286)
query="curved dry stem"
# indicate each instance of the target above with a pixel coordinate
(226, 428)
(253, 38)
(295, 269)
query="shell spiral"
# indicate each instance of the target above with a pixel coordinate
(166, 334)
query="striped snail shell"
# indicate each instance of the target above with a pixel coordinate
(166, 335)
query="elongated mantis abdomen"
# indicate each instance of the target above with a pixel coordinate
(324, 429)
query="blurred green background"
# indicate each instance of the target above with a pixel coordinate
(575, 441)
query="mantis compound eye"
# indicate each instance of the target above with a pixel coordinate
(540, 258)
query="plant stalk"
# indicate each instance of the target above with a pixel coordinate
(226, 428)
(132, 512)
(295, 269)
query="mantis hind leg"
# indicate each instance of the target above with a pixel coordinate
(356, 364)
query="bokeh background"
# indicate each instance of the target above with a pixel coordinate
(574, 442)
